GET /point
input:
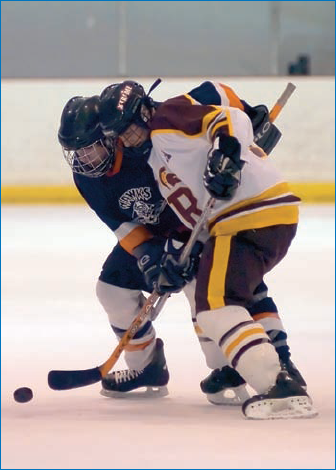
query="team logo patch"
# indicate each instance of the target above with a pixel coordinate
(137, 199)
(168, 180)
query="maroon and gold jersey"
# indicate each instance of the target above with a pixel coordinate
(182, 134)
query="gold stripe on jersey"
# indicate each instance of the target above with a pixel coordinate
(210, 118)
(206, 122)
(135, 238)
(264, 217)
(275, 205)
(216, 286)
(277, 190)
(223, 123)
(205, 118)
(191, 99)
(228, 116)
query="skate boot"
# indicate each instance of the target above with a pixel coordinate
(154, 377)
(286, 399)
(287, 365)
(225, 387)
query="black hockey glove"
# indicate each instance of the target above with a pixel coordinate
(149, 256)
(222, 174)
(174, 276)
(266, 134)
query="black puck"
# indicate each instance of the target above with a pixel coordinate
(23, 394)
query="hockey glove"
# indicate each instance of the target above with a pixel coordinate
(174, 276)
(222, 174)
(266, 134)
(149, 256)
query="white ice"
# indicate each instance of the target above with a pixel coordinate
(51, 257)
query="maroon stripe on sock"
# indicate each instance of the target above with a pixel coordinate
(246, 347)
(232, 331)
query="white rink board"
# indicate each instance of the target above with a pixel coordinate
(31, 110)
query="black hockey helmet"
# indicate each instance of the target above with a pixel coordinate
(121, 105)
(80, 124)
(85, 147)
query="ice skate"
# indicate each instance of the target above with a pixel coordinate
(286, 399)
(287, 365)
(225, 387)
(153, 377)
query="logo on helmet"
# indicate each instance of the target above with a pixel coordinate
(124, 95)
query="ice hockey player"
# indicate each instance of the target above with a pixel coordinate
(201, 150)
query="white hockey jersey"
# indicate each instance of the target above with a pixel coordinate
(182, 134)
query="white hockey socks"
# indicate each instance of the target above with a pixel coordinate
(244, 343)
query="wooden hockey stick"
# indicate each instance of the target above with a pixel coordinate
(68, 379)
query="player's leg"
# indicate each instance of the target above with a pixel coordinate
(119, 290)
(264, 311)
(224, 385)
(231, 269)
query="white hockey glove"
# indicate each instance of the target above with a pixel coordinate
(222, 174)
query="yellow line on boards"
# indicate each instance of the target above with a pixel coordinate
(310, 192)
(40, 195)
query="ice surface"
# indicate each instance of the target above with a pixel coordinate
(51, 257)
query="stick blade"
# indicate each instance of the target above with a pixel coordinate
(68, 379)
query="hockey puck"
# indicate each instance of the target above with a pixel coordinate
(23, 394)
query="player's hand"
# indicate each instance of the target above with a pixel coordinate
(149, 256)
(173, 275)
(266, 134)
(222, 173)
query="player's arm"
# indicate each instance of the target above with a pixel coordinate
(266, 134)
(224, 164)
(129, 233)
(223, 170)
(158, 260)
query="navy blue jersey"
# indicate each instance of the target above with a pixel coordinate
(129, 201)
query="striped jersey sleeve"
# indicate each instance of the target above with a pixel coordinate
(217, 94)
(181, 115)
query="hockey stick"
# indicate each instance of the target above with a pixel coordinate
(68, 379)
(277, 108)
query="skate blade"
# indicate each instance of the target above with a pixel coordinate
(143, 393)
(284, 408)
(229, 396)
